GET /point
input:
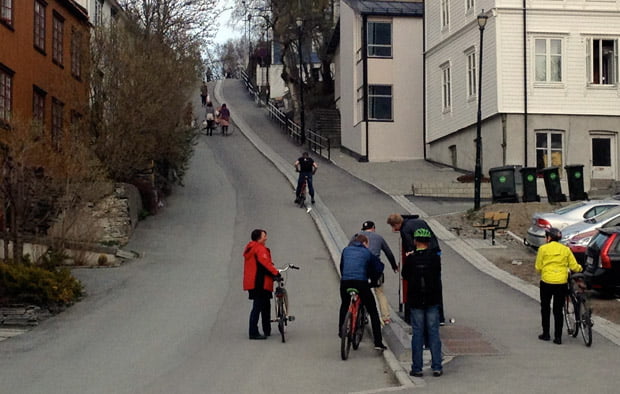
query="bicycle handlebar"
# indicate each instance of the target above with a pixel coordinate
(286, 268)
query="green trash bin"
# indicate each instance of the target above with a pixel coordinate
(553, 187)
(504, 181)
(530, 188)
(574, 173)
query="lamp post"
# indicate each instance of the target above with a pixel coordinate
(482, 21)
(302, 121)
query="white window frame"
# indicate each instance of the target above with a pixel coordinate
(471, 65)
(377, 95)
(6, 94)
(470, 5)
(372, 45)
(98, 12)
(549, 150)
(446, 87)
(445, 14)
(548, 60)
(590, 64)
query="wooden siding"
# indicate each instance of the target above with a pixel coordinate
(35, 68)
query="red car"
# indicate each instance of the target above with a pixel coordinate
(602, 263)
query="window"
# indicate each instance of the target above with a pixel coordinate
(6, 94)
(549, 148)
(446, 88)
(76, 53)
(548, 55)
(469, 5)
(57, 122)
(472, 88)
(445, 14)
(379, 39)
(98, 12)
(380, 102)
(6, 12)
(38, 104)
(39, 25)
(58, 26)
(602, 61)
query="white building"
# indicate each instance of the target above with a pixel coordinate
(550, 91)
(379, 79)
(101, 12)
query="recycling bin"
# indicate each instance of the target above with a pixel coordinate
(574, 173)
(551, 175)
(504, 181)
(530, 187)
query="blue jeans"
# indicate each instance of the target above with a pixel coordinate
(421, 320)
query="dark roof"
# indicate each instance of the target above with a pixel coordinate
(388, 8)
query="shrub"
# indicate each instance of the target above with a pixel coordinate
(25, 283)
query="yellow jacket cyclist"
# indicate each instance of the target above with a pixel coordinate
(553, 262)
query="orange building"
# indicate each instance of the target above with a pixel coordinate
(43, 57)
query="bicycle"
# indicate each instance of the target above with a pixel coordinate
(577, 310)
(301, 198)
(281, 304)
(352, 330)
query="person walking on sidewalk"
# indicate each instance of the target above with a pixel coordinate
(553, 261)
(210, 118)
(223, 118)
(204, 92)
(357, 265)
(306, 167)
(407, 227)
(376, 244)
(258, 275)
(422, 271)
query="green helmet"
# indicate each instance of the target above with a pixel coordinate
(422, 233)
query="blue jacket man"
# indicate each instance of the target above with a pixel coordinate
(357, 265)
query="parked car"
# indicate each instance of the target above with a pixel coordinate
(565, 216)
(602, 268)
(577, 236)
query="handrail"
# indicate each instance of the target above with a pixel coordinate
(316, 142)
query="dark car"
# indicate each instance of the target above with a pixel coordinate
(602, 267)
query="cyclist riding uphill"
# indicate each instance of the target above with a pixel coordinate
(357, 266)
(553, 261)
(258, 275)
(306, 167)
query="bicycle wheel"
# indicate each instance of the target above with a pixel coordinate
(282, 318)
(569, 316)
(586, 321)
(302, 198)
(359, 328)
(345, 336)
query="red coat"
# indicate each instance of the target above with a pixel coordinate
(258, 268)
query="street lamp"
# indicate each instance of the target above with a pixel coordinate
(302, 121)
(482, 21)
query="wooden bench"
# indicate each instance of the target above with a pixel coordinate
(492, 221)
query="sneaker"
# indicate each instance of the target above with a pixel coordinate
(437, 373)
(442, 323)
(544, 337)
(416, 374)
(380, 347)
(387, 321)
(258, 336)
(557, 341)
(313, 200)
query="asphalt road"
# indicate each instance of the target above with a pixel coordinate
(176, 319)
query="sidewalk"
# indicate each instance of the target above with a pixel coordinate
(335, 218)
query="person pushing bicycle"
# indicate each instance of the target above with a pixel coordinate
(306, 167)
(357, 266)
(553, 261)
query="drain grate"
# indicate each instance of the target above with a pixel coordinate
(460, 340)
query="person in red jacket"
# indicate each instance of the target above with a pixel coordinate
(258, 275)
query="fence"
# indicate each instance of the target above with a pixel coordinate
(316, 142)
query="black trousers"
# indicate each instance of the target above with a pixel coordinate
(369, 302)
(558, 294)
(261, 307)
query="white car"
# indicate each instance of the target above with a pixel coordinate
(564, 217)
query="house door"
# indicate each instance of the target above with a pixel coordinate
(603, 157)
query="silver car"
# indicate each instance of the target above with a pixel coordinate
(565, 216)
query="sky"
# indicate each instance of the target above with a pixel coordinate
(227, 32)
